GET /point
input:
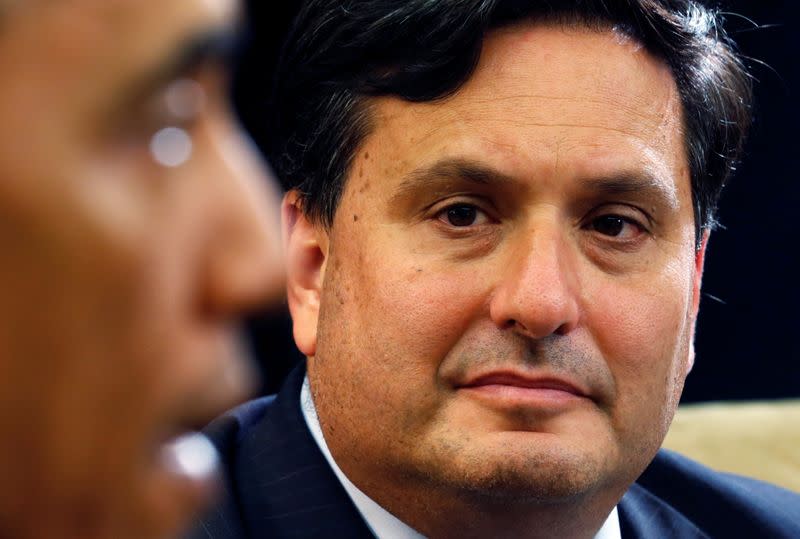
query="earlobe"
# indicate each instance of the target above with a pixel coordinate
(306, 247)
(690, 359)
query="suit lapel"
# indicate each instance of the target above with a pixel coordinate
(643, 516)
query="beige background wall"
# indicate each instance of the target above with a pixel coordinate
(759, 439)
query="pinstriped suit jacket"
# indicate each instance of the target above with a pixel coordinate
(280, 486)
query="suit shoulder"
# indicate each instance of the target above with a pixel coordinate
(226, 433)
(720, 504)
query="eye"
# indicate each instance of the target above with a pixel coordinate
(164, 118)
(463, 215)
(616, 226)
(184, 100)
(179, 105)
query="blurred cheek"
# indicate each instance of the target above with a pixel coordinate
(145, 243)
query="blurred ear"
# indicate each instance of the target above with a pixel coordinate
(697, 280)
(306, 247)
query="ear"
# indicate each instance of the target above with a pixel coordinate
(699, 262)
(697, 280)
(306, 247)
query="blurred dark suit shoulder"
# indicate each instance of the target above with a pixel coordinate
(279, 483)
(280, 486)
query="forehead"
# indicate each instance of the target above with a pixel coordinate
(110, 35)
(75, 60)
(566, 72)
(119, 17)
(550, 98)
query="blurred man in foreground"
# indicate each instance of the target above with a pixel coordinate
(135, 227)
(496, 228)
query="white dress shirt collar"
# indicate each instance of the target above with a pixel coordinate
(381, 522)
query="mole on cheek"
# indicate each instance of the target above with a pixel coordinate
(355, 218)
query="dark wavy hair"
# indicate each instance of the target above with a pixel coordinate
(339, 53)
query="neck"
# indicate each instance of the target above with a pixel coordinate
(440, 513)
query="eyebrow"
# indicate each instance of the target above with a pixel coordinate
(451, 170)
(634, 183)
(639, 183)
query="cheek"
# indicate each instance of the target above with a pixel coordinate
(644, 331)
(636, 327)
(396, 312)
(386, 322)
(399, 288)
(421, 311)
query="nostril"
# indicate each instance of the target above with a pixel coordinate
(538, 329)
(563, 329)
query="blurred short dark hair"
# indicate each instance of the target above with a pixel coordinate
(339, 53)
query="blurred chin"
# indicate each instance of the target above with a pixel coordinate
(220, 375)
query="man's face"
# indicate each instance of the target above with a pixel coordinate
(136, 225)
(509, 289)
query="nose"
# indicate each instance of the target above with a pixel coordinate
(244, 264)
(536, 295)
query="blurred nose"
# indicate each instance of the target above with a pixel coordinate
(245, 267)
(536, 293)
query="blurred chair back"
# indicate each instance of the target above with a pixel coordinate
(757, 439)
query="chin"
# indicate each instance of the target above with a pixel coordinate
(549, 473)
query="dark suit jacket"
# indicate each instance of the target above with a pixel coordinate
(281, 486)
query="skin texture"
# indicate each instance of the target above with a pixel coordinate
(569, 255)
(120, 278)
